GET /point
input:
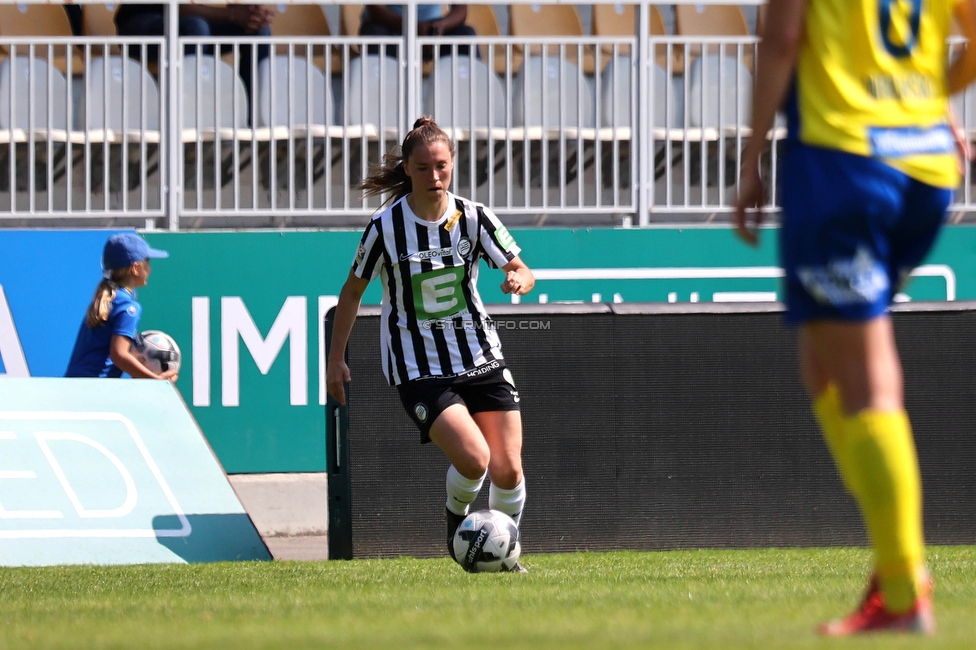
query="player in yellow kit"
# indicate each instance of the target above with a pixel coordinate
(867, 175)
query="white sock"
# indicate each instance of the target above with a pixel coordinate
(510, 502)
(461, 491)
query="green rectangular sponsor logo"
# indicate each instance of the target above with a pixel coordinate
(437, 294)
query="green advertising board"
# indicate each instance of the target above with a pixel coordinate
(247, 308)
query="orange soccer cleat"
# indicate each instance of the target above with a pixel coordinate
(872, 616)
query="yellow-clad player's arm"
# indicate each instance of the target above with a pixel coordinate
(963, 70)
(778, 50)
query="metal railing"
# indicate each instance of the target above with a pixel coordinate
(585, 130)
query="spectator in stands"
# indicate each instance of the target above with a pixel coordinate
(867, 176)
(201, 20)
(74, 18)
(387, 20)
(439, 347)
(111, 324)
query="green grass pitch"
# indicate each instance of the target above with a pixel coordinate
(682, 599)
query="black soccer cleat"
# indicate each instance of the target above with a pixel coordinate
(453, 521)
(518, 568)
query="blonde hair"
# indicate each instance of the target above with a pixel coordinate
(105, 292)
(390, 176)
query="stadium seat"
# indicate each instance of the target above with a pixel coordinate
(551, 106)
(527, 21)
(720, 93)
(294, 111)
(41, 20)
(98, 20)
(713, 20)
(301, 96)
(550, 93)
(468, 101)
(373, 92)
(305, 20)
(616, 95)
(465, 94)
(34, 110)
(617, 102)
(372, 109)
(482, 18)
(621, 20)
(119, 111)
(718, 111)
(214, 129)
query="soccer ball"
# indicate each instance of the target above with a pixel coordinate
(158, 351)
(487, 541)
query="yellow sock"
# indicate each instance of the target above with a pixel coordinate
(885, 469)
(830, 415)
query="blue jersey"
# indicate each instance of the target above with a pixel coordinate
(90, 357)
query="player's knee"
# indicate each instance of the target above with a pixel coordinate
(471, 468)
(507, 478)
(474, 464)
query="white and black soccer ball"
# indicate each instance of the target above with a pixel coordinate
(487, 541)
(158, 351)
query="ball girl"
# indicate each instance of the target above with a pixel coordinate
(111, 324)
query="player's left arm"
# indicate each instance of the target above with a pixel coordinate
(120, 351)
(519, 278)
(963, 70)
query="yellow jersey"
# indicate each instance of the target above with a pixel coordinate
(871, 80)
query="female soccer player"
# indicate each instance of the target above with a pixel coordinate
(867, 177)
(102, 348)
(438, 346)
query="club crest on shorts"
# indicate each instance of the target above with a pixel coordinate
(421, 412)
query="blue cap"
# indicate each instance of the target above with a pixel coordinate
(125, 249)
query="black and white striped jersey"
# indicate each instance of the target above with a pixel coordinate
(433, 320)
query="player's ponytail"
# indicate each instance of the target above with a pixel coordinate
(101, 306)
(390, 177)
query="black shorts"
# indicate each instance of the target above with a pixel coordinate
(486, 388)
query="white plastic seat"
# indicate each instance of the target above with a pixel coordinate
(119, 110)
(616, 96)
(371, 110)
(552, 107)
(720, 94)
(294, 113)
(214, 122)
(373, 93)
(465, 94)
(467, 100)
(551, 93)
(34, 111)
(617, 118)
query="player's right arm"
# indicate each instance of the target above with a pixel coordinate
(337, 372)
(963, 70)
(778, 51)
